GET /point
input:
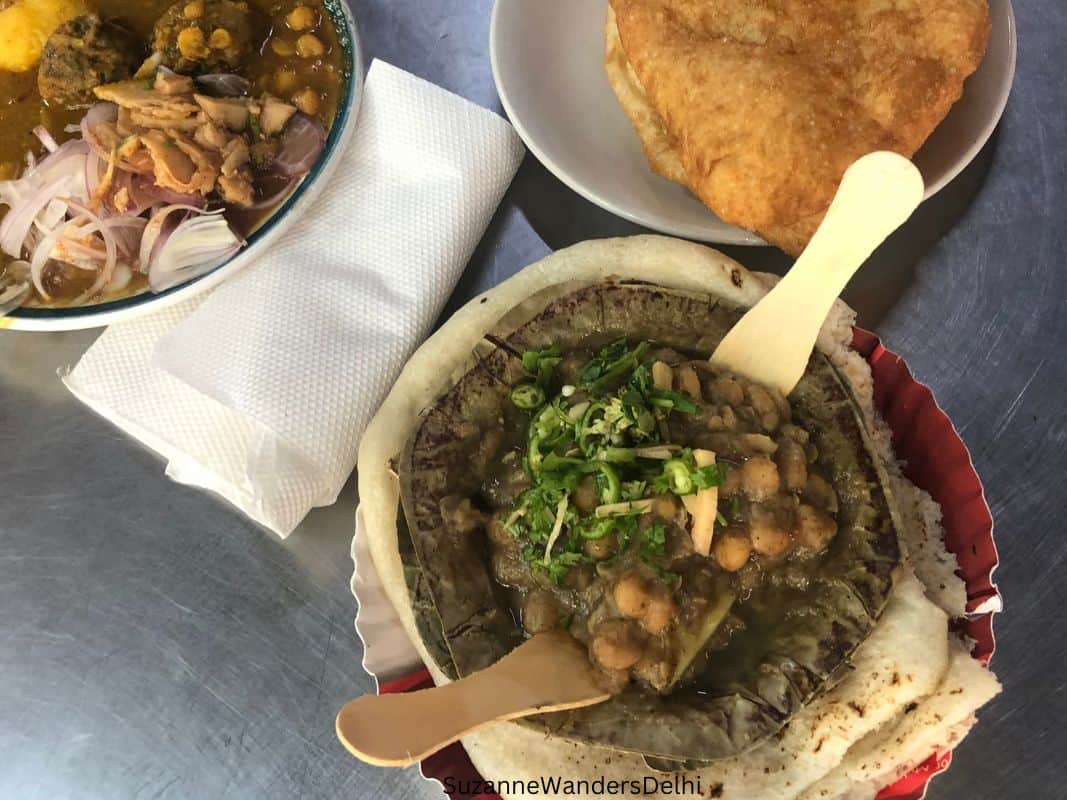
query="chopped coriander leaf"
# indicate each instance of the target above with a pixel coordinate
(560, 565)
(542, 364)
(654, 540)
(611, 365)
(706, 477)
(675, 401)
(633, 490)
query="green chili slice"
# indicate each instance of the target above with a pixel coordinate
(527, 396)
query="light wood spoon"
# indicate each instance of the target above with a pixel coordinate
(772, 342)
(549, 672)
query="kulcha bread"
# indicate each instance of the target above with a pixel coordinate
(764, 672)
(759, 108)
(853, 736)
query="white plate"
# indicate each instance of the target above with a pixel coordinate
(548, 63)
(94, 316)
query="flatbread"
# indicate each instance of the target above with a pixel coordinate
(657, 142)
(911, 640)
(766, 104)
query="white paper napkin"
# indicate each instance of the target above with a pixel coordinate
(261, 390)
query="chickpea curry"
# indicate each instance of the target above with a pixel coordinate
(660, 496)
(719, 549)
(180, 127)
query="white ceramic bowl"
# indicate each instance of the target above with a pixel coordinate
(548, 63)
(96, 315)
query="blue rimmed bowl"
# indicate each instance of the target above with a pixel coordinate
(105, 313)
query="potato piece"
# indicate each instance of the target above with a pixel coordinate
(25, 26)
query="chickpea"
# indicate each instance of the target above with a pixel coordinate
(302, 18)
(688, 381)
(731, 549)
(759, 478)
(659, 614)
(666, 506)
(585, 496)
(579, 578)
(792, 465)
(602, 548)
(220, 39)
(769, 537)
(813, 528)
(820, 493)
(285, 80)
(631, 595)
(729, 418)
(282, 47)
(765, 406)
(662, 375)
(616, 644)
(194, 10)
(731, 482)
(191, 43)
(541, 612)
(798, 435)
(728, 391)
(310, 46)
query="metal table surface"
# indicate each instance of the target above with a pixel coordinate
(154, 644)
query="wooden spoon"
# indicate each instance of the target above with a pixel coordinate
(549, 672)
(772, 342)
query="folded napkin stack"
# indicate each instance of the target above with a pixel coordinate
(260, 390)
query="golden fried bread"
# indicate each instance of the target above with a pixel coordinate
(766, 103)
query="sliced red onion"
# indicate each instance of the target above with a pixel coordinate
(301, 145)
(19, 219)
(121, 278)
(13, 296)
(157, 231)
(197, 246)
(223, 85)
(93, 164)
(101, 112)
(46, 138)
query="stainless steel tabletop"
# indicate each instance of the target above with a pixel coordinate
(154, 644)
